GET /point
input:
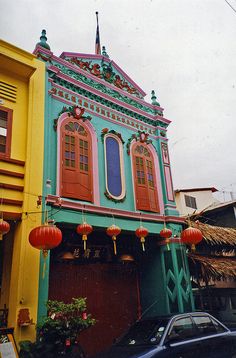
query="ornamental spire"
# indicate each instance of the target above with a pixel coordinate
(154, 99)
(104, 53)
(43, 41)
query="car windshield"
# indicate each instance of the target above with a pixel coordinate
(147, 332)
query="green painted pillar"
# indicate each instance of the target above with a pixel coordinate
(152, 287)
(178, 290)
(43, 285)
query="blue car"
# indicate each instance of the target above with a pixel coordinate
(186, 335)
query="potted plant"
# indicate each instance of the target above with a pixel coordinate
(57, 334)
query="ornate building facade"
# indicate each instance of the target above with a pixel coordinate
(106, 164)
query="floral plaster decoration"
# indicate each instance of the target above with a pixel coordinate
(109, 197)
(107, 131)
(75, 111)
(141, 136)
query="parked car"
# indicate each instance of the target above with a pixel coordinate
(195, 334)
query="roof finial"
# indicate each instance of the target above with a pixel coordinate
(43, 41)
(97, 42)
(154, 99)
(104, 53)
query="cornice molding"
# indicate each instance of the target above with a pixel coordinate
(64, 203)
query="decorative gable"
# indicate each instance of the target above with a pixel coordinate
(105, 69)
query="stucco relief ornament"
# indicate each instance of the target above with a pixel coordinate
(106, 131)
(75, 111)
(78, 112)
(141, 136)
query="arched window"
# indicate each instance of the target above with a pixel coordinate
(145, 185)
(114, 167)
(76, 160)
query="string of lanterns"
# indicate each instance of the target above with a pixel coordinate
(48, 236)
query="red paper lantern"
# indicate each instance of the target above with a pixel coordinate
(166, 234)
(191, 236)
(45, 237)
(141, 233)
(113, 231)
(84, 230)
(4, 228)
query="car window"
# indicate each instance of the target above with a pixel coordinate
(144, 332)
(206, 325)
(181, 330)
(233, 302)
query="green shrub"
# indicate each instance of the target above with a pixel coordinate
(58, 333)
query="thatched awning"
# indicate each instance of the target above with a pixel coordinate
(216, 235)
(212, 268)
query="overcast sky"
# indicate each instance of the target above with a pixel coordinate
(183, 49)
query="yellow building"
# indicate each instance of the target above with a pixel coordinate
(22, 81)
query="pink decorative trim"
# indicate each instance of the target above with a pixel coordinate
(111, 99)
(106, 108)
(157, 174)
(87, 124)
(66, 63)
(170, 206)
(63, 100)
(96, 79)
(169, 185)
(78, 206)
(105, 59)
(165, 153)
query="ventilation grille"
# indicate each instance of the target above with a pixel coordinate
(8, 91)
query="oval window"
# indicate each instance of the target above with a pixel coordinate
(114, 167)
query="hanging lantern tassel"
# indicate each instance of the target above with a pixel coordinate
(84, 239)
(84, 230)
(114, 244)
(113, 231)
(45, 255)
(142, 240)
(141, 233)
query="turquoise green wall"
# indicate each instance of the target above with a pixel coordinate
(154, 271)
(153, 298)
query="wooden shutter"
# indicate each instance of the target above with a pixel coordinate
(144, 179)
(5, 131)
(76, 161)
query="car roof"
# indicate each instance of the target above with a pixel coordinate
(174, 315)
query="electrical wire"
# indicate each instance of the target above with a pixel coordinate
(230, 6)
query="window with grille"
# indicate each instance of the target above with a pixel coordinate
(5, 131)
(140, 170)
(190, 201)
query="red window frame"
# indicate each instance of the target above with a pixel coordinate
(145, 183)
(76, 172)
(7, 152)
